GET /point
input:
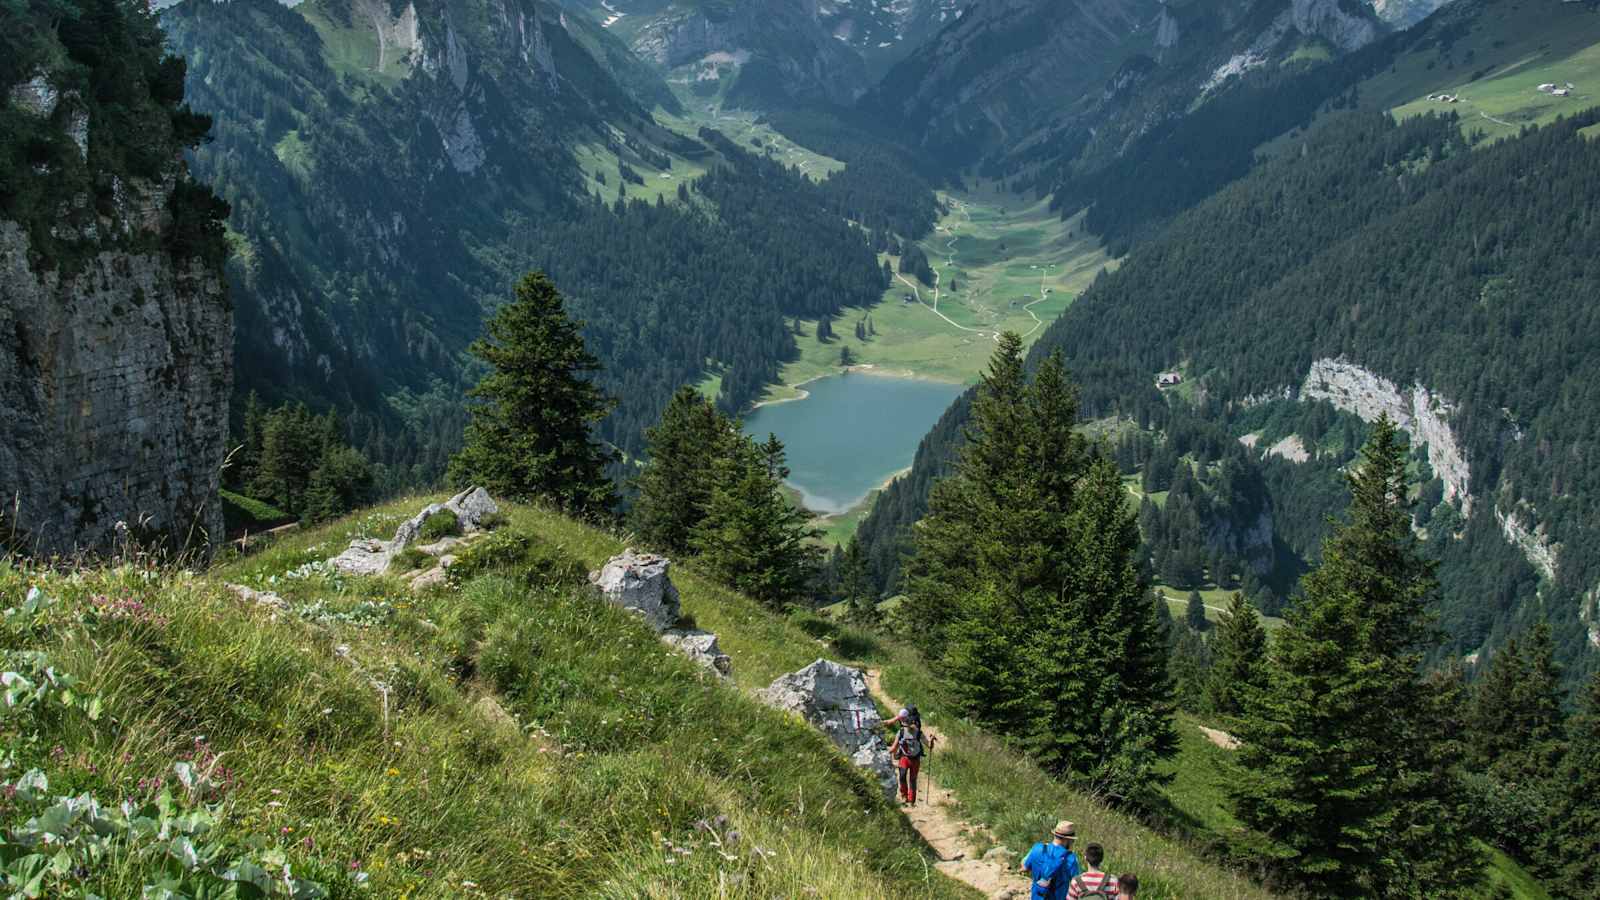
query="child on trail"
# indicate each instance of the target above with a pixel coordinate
(1128, 885)
(907, 750)
(1053, 865)
(1094, 884)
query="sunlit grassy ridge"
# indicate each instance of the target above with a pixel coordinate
(350, 732)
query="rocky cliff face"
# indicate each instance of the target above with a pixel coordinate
(1417, 411)
(115, 366)
(783, 44)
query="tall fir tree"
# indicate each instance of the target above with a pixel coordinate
(1239, 665)
(674, 486)
(1194, 612)
(946, 564)
(1515, 721)
(530, 433)
(856, 586)
(1107, 721)
(1344, 780)
(1025, 590)
(1571, 856)
(752, 538)
(1515, 740)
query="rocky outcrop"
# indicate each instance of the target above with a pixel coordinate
(1290, 448)
(700, 646)
(473, 508)
(638, 582)
(1532, 540)
(785, 35)
(115, 360)
(1405, 13)
(1324, 19)
(1417, 411)
(835, 699)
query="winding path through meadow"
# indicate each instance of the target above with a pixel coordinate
(945, 833)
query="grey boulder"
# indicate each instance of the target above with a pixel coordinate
(638, 582)
(700, 646)
(835, 699)
(472, 508)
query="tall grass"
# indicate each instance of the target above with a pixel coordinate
(350, 732)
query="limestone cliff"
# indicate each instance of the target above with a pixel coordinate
(115, 337)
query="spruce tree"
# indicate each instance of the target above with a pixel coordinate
(752, 538)
(530, 433)
(1238, 668)
(1194, 612)
(1343, 780)
(674, 487)
(1515, 739)
(856, 585)
(1101, 662)
(946, 561)
(1515, 721)
(1572, 842)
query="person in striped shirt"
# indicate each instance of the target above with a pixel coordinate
(1093, 884)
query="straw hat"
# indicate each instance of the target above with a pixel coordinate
(1065, 830)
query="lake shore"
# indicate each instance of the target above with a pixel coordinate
(862, 369)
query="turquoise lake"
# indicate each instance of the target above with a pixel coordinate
(851, 433)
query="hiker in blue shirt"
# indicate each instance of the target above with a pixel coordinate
(1052, 866)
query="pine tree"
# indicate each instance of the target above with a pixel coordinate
(1343, 779)
(674, 487)
(1194, 612)
(752, 538)
(1240, 651)
(1515, 739)
(1515, 721)
(1572, 844)
(856, 586)
(1109, 723)
(530, 434)
(292, 441)
(246, 460)
(947, 561)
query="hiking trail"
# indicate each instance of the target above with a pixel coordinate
(947, 834)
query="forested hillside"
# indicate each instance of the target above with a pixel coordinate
(1413, 260)
(390, 178)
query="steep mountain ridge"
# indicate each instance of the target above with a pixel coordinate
(771, 52)
(1024, 82)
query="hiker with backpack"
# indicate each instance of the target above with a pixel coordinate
(1053, 865)
(907, 750)
(1094, 884)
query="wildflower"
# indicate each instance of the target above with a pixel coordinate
(392, 773)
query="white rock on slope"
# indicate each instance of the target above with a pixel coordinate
(835, 699)
(473, 509)
(700, 646)
(639, 582)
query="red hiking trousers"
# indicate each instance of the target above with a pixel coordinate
(908, 768)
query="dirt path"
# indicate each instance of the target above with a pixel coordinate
(933, 819)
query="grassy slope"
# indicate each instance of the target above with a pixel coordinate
(417, 786)
(1513, 49)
